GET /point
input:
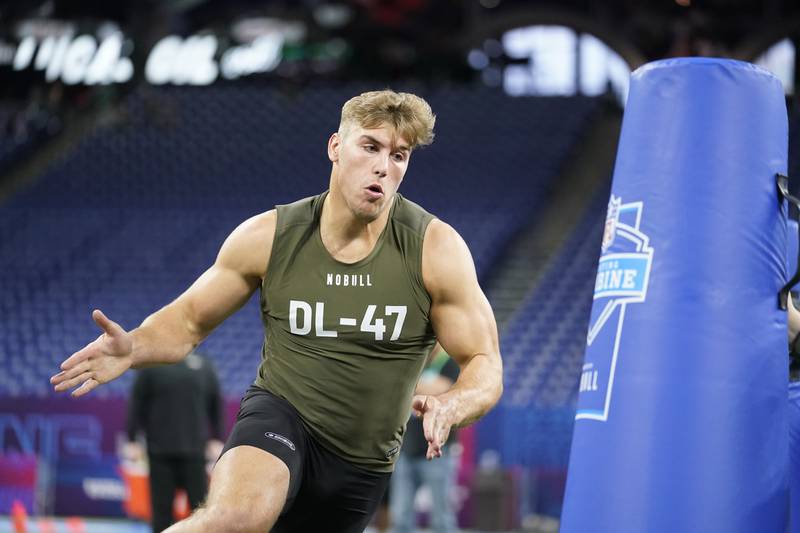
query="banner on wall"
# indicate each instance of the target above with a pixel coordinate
(103, 54)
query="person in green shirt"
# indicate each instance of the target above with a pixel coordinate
(356, 285)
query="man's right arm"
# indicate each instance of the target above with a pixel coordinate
(169, 334)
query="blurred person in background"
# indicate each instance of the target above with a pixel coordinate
(381, 521)
(179, 409)
(357, 283)
(413, 470)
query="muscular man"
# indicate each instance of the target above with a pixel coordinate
(356, 284)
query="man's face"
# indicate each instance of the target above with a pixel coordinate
(369, 166)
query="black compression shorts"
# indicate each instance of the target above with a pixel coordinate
(326, 493)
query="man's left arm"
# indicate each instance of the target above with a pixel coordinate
(464, 324)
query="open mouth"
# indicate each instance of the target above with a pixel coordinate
(375, 190)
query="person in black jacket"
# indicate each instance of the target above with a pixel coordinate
(175, 405)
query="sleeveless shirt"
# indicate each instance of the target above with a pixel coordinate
(345, 343)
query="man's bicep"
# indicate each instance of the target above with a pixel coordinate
(461, 314)
(235, 275)
(213, 297)
(466, 327)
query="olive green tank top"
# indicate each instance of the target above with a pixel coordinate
(346, 342)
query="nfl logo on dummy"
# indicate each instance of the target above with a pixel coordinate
(623, 274)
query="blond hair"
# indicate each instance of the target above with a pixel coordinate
(410, 115)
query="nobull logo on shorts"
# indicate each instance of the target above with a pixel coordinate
(623, 274)
(280, 438)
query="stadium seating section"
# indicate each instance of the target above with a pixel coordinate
(138, 209)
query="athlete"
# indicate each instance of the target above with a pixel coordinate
(356, 285)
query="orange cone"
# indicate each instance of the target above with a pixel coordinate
(75, 524)
(19, 517)
(46, 525)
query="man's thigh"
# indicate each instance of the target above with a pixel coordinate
(335, 495)
(251, 481)
(247, 483)
(272, 425)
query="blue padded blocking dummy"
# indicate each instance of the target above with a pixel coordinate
(681, 418)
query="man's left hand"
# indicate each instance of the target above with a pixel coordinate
(436, 421)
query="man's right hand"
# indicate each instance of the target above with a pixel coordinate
(102, 360)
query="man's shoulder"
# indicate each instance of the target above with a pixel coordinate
(302, 211)
(446, 260)
(411, 214)
(440, 234)
(257, 227)
(246, 250)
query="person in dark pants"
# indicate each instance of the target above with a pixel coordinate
(175, 406)
(414, 470)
